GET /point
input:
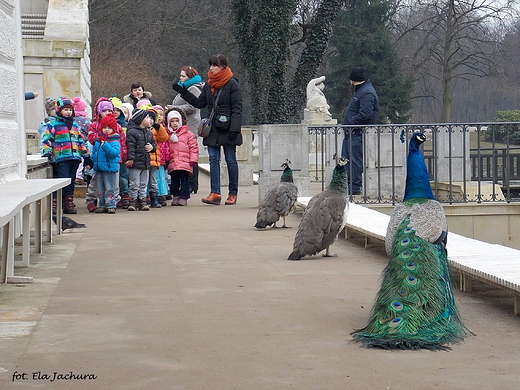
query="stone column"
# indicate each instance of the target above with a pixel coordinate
(59, 64)
(12, 137)
(276, 144)
(384, 155)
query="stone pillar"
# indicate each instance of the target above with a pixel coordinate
(278, 143)
(59, 64)
(12, 137)
(384, 155)
(452, 144)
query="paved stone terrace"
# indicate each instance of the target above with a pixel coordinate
(196, 298)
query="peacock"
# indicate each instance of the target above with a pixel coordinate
(415, 307)
(278, 201)
(324, 217)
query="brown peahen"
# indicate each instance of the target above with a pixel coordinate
(278, 201)
(324, 217)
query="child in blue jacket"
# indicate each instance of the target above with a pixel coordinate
(105, 156)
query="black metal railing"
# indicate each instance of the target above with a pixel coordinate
(467, 162)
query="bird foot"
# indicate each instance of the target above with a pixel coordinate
(329, 255)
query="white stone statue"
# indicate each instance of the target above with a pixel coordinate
(316, 100)
(317, 109)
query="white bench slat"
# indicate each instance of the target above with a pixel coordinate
(497, 264)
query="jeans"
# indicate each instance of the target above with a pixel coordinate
(106, 182)
(68, 169)
(152, 180)
(137, 181)
(352, 149)
(180, 184)
(230, 154)
(194, 179)
(123, 178)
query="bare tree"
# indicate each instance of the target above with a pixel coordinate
(150, 41)
(447, 40)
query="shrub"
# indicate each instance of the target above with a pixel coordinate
(505, 133)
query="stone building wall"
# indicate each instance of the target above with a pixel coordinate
(12, 140)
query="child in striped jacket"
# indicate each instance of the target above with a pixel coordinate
(65, 146)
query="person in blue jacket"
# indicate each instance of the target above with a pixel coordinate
(105, 156)
(362, 110)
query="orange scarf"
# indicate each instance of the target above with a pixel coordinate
(219, 79)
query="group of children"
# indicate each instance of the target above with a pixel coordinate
(123, 153)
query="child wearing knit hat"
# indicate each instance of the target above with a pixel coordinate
(159, 135)
(84, 123)
(106, 155)
(63, 143)
(140, 143)
(103, 108)
(50, 109)
(184, 155)
(79, 106)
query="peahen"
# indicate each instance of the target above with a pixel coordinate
(278, 201)
(414, 307)
(324, 217)
(68, 223)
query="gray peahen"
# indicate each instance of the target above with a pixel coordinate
(278, 201)
(414, 307)
(324, 217)
(68, 223)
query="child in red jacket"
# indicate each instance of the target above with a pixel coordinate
(184, 155)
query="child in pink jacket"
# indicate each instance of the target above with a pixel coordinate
(184, 155)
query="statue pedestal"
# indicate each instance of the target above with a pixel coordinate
(317, 118)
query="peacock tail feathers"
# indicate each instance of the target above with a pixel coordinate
(414, 307)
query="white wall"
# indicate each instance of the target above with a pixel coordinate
(12, 128)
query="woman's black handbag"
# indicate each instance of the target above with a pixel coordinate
(205, 123)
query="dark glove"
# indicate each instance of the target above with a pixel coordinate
(87, 161)
(232, 135)
(156, 126)
(179, 88)
(48, 155)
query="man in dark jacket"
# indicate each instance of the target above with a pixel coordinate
(362, 110)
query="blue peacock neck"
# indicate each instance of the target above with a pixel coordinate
(417, 177)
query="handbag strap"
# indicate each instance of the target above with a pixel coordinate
(212, 114)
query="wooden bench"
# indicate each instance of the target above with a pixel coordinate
(493, 264)
(16, 197)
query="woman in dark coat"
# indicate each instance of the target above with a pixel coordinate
(225, 127)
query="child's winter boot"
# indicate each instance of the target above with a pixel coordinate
(125, 200)
(68, 205)
(131, 205)
(142, 205)
(154, 200)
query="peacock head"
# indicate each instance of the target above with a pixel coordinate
(286, 164)
(342, 161)
(418, 138)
